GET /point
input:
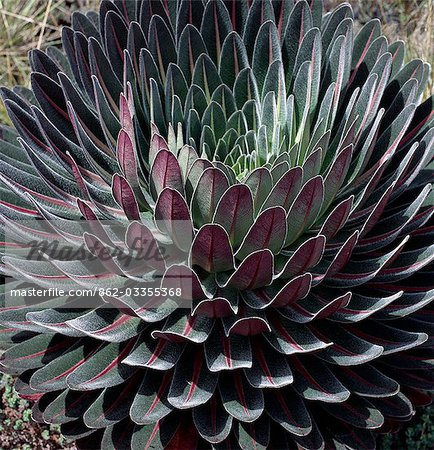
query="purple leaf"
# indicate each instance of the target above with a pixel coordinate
(267, 232)
(194, 174)
(209, 189)
(124, 196)
(306, 256)
(260, 183)
(294, 290)
(305, 209)
(235, 212)
(173, 217)
(247, 322)
(140, 238)
(182, 277)
(212, 250)
(337, 218)
(312, 165)
(165, 172)
(127, 157)
(254, 272)
(341, 258)
(216, 307)
(157, 143)
(126, 110)
(95, 224)
(285, 190)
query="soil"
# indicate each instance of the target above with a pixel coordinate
(17, 430)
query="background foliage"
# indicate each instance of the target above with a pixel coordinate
(27, 24)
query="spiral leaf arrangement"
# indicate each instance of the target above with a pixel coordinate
(298, 155)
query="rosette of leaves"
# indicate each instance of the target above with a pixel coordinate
(299, 154)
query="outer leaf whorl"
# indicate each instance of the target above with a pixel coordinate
(288, 160)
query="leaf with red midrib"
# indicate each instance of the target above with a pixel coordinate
(307, 255)
(156, 436)
(253, 436)
(254, 272)
(36, 352)
(305, 209)
(165, 172)
(289, 411)
(313, 380)
(157, 354)
(192, 384)
(125, 197)
(240, 399)
(227, 353)
(150, 403)
(270, 368)
(212, 250)
(113, 404)
(267, 232)
(104, 368)
(212, 421)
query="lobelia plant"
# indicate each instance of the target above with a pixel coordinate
(298, 155)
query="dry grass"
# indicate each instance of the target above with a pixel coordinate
(28, 24)
(415, 27)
